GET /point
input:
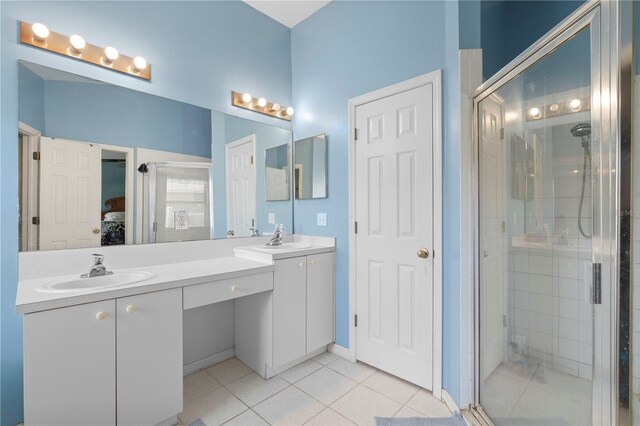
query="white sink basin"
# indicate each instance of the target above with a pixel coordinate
(106, 281)
(284, 247)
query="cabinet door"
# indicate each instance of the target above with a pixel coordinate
(149, 353)
(320, 300)
(70, 365)
(289, 310)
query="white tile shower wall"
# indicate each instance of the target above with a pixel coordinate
(548, 311)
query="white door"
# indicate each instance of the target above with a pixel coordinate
(149, 356)
(394, 212)
(70, 194)
(493, 227)
(241, 187)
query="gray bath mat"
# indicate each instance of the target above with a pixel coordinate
(197, 422)
(454, 420)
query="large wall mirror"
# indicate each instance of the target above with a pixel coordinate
(106, 165)
(310, 168)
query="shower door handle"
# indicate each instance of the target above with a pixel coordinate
(596, 284)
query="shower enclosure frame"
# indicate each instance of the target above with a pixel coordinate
(611, 68)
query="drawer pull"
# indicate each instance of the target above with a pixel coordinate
(235, 288)
(101, 315)
(131, 309)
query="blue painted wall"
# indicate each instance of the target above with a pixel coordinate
(198, 56)
(113, 181)
(350, 48)
(114, 115)
(31, 105)
(234, 128)
(510, 27)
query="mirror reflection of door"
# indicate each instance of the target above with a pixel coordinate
(241, 187)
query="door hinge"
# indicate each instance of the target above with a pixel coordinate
(596, 295)
(504, 320)
(355, 320)
(502, 133)
(355, 227)
(36, 155)
(252, 159)
(355, 134)
(504, 226)
(35, 220)
(155, 226)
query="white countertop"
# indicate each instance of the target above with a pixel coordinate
(173, 275)
(268, 256)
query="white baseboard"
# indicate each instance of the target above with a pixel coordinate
(208, 361)
(341, 351)
(447, 399)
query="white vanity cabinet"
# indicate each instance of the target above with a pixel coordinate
(112, 362)
(149, 357)
(303, 306)
(70, 365)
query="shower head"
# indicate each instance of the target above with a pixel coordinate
(581, 130)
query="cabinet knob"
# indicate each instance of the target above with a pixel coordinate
(131, 309)
(101, 315)
(301, 264)
(313, 261)
(234, 288)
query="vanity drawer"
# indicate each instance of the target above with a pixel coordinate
(232, 288)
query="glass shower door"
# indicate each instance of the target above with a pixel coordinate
(536, 192)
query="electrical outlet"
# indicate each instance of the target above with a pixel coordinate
(322, 219)
(272, 218)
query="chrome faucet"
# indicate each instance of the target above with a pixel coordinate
(98, 269)
(255, 232)
(278, 236)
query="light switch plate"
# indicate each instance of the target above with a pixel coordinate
(272, 218)
(322, 219)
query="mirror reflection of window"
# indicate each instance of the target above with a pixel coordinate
(310, 168)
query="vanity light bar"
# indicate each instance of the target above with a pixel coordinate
(556, 109)
(246, 101)
(38, 35)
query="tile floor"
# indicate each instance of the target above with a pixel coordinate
(326, 390)
(535, 395)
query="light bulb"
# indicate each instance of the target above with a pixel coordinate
(275, 107)
(534, 112)
(554, 107)
(139, 63)
(40, 31)
(77, 43)
(111, 54)
(290, 111)
(246, 98)
(575, 104)
(262, 102)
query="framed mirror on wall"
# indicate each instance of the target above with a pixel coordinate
(106, 165)
(310, 168)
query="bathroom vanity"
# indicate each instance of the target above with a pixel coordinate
(113, 354)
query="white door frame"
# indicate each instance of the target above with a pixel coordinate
(247, 139)
(30, 185)
(435, 79)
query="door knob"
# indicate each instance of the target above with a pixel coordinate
(131, 309)
(423, 253)
(96, 231)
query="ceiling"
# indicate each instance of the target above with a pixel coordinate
(288, 12)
